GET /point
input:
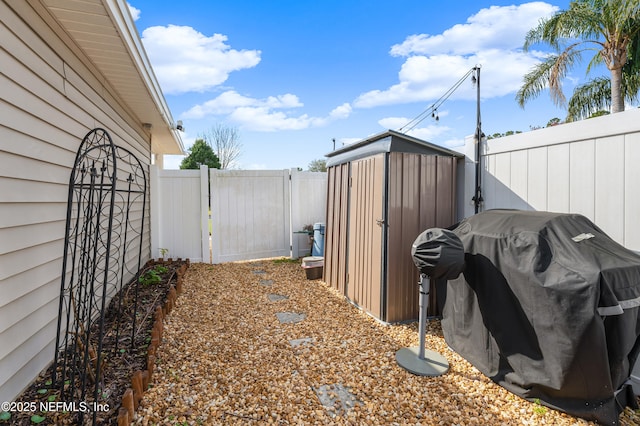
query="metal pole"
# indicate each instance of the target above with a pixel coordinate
(417, 359)
(422, 319)
(478, 195)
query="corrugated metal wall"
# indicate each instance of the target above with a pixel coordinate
(421, 196)
(335, 246)
(409, 194)
(365, 243)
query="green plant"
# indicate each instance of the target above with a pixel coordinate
(152, 276)
(285, 260)
(163, 252)
(5, 416)
(37, 419)
(539, 409)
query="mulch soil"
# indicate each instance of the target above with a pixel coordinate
(120, 362)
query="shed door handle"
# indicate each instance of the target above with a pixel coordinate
(380, 222)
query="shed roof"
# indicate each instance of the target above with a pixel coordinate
(105, 32)
(387, 141)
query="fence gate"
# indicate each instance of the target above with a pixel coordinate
(250, 212)
(102, 248)
(254, 213)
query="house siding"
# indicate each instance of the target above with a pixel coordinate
(49, 100)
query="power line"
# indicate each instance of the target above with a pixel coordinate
(434, 107)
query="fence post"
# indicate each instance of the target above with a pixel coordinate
(466, 205)
(204, 213)
(286, 189)
(293, 241)
(154, 210)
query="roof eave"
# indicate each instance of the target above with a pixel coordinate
(165, 139)
(393, 133)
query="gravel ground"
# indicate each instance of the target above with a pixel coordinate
(226, 358)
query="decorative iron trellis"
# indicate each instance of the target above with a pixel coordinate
(102, 253)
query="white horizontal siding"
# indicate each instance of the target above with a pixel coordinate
(35, 351)
(50, 98)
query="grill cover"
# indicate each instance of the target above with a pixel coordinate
(438, 253)
(547, 307)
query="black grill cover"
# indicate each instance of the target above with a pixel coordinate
(438, 253)
(547, 307)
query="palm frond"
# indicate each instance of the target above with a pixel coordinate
(611, 28)
(589, 98)
(535, 81)
(549, 74)
(595, 95)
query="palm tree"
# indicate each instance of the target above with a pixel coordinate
(607, 27)
(595, 95)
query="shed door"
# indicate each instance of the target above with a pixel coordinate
(364, 285)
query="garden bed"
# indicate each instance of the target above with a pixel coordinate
(120, 363)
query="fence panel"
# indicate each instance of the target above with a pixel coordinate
(179, 212)
(588, 167)
(250, 214)
(308, 207)
(254, 213)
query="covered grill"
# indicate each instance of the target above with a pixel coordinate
(548, 307)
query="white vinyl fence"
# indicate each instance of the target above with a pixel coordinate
(254, 213)
(591, 167)
(180, 213)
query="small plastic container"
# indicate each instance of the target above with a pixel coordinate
(317, 250)
(313, 266)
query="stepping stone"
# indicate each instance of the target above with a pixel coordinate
(257, 264)
(258, 272)
(299, 342)
(266, 283)
(290, 317)
(277, 297)
(336, 399)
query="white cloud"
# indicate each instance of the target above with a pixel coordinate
(186, 60)
(455, 143)
(229, 101)
(263, 114)
(265, 120)
(135, 12)
(341, 112)
(492, 38)
(497, 27)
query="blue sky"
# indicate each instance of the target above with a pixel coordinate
(293, 75)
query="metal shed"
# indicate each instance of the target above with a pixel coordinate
(382, 192)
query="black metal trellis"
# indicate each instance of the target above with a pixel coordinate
(102, 253)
